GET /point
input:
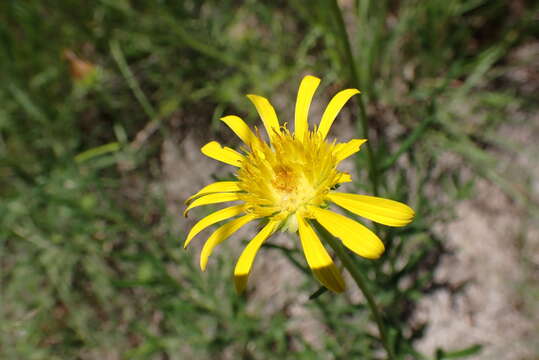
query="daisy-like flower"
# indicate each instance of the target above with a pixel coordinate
(288, 183)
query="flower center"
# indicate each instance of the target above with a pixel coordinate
(289, 175)
(285, 180)
(291, 189)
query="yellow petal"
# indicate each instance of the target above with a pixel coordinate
(353, 235)
(383, 211)
(240, 128)
(306, 92)
(333, 108)
(212, 199)
(222, 153)
(220, 235)
(344, 150)
(344, 178)
(211, 219)
(247, 257)
(267, 114)
(219, 186)
(318, 258)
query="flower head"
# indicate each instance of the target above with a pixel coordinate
(288, 183)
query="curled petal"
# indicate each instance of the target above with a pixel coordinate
(220, 235)
(212, 199)
(211, 219)
(344, 150)
(267, 114)
(240, 128)
(344, 178)
(318, 258)
(224, 154)
(247, 257)
(383, 211)
(335, 105)
(353, 235)
(306, 92)
(219, 186)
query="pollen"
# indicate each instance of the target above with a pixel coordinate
(285, 180)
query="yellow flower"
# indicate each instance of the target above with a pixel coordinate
(289, 182)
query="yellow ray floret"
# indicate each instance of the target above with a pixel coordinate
(220, 186)
(240, 128)
(318, 259)
(383, 211)
(267, 114)
(306, 91)
(353, 235)
(344, 150)
(213, 218)
(212, 199)
(245, 261)
(332, 110)
(222, 153)
(344, 178)
(220, 235)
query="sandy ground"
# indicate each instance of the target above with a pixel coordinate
(491, 309)
(495, 250)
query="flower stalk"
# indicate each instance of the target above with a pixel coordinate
(356, 274)
(373, 172)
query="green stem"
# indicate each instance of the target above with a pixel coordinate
(131, 80)
(351, 266)
(349, 58)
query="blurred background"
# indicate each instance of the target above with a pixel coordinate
(104, 106)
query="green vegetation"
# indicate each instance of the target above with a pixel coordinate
(92, 265)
